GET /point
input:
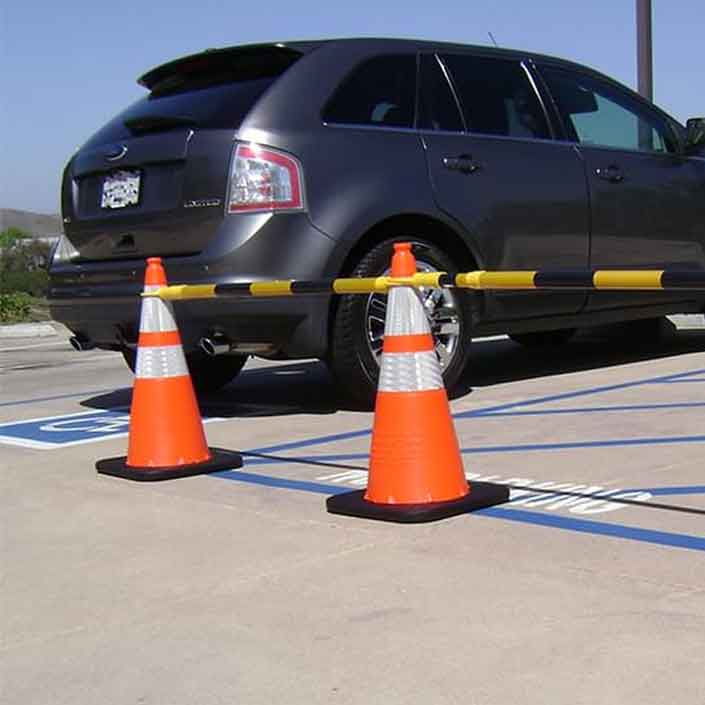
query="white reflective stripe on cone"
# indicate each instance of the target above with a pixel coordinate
(410, 372)
(160, 361)
(405, 313)
(157, 316)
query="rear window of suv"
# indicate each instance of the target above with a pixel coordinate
(201, 92)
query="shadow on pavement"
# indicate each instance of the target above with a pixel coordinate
(497, 362)
(307, 387)
(297, 388)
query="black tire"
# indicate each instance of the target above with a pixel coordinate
(351, 360)
(208, 374)
(544, 338)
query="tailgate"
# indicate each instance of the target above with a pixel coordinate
(154, 180)
(164, 196)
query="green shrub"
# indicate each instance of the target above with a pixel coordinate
(33, 283)
(14, 306)
(9, 236)
(23, 263)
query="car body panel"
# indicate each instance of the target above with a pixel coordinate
(650, 219)
(526, 206)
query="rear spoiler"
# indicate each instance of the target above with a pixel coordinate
(250, 61)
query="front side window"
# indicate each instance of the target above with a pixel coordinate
(596, 113)
(497, 97)
(381, 91)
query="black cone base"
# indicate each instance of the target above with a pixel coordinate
(482, 495)
(220, 460)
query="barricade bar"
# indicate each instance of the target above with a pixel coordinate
(481, 280)
(291, 287)
(610, 279)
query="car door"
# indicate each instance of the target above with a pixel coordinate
(646, 197)
(520, 195)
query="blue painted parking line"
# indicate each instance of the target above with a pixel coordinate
(571, 445)
(318, 440)
(675, 491)
(500, 409)
(280, 482)
(599, 528)
(681, 381)
(587, 526)
(577, 394)
(597, 409)
(481, 450)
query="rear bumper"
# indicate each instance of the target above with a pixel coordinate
(296, 328)
(100, 300)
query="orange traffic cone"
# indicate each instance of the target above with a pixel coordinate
(166, 438)
(416, 472)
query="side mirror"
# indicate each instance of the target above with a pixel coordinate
(695, 134)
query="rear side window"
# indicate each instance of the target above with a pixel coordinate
(497, 97)
(438, 109)
(381, 91)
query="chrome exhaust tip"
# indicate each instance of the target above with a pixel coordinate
(81, 344)
(217, 345)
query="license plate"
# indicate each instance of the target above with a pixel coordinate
(121, 189)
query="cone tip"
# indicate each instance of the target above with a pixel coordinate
(154, 274)
(403, 260)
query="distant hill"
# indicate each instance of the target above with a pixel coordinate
(38, 224)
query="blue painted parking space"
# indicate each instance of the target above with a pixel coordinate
(325, 465)
(69, 429)
(52, 432)
(508, 512)
(304, 466)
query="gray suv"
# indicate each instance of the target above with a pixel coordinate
(307, 160)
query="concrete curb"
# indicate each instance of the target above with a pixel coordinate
(47, 329)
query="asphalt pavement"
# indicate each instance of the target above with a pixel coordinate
(588, 587)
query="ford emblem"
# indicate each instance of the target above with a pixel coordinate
(115, 152)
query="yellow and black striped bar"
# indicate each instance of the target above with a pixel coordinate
(291, 287)
(518, 280)
(583, 280)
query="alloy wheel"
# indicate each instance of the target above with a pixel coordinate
(441, 311)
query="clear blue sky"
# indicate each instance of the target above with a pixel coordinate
(68, 66)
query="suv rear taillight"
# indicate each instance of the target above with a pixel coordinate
(264, 179)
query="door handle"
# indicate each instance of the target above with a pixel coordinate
(464, 163)
(611, 173)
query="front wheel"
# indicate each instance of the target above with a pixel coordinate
(208, 374)
(358, 325)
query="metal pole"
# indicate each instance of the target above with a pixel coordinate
(644, 52)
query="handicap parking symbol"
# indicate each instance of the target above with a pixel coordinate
(66, 430)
